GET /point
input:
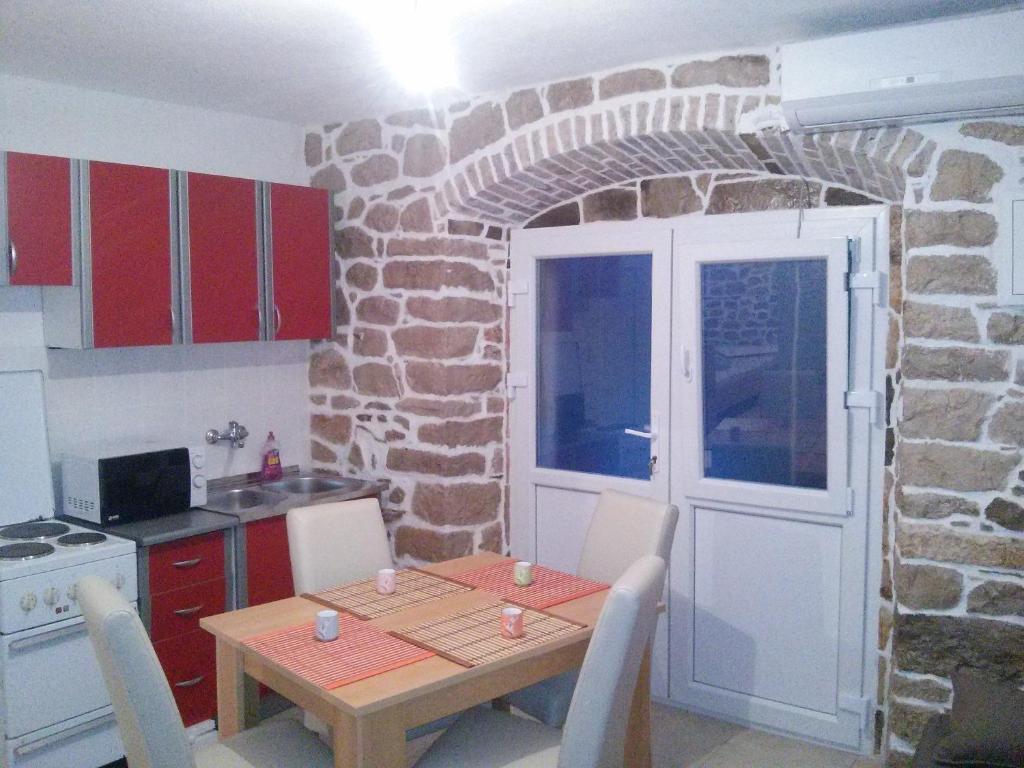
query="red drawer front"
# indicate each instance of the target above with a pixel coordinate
(189, 661)
(188, 561)
(39, 218)
(178, 612)
(268, 565)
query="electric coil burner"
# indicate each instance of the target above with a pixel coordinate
(86, 539)
(34, 531)
(28, 550)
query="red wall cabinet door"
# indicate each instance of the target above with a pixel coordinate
(300, 250)
(130, 254)
(39, 219)
(268, 563)
(223, 258)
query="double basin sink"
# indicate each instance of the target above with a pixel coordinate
(288, 492)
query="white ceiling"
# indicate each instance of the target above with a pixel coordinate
(314, 61)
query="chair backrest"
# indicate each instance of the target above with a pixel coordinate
(336, 542)
(594, 735)
(625, 528)
(147, 717)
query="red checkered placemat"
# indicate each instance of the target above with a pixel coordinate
(360, 651)
(549, 587)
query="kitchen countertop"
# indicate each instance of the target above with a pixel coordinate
(160, 530)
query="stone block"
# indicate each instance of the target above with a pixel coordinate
(331, 177)
(381, 217)
(997, 598)
(1006, 328)
(749, 71)
(455, 434)
(416, 217)
(441, 409)
(936, 321)
(748, 196)
(379, 310)
(837, 196)
(437, 246)
(314, 149)
(483, 126)
(361, 276)
(937, 645)
(944, 414)
(354, 243)
(935, 465)
(955, 364)
(374, 170)
(908, 720)
(453, 310)
(328, 368)
(948, 545)
(466, 228)
(957, 274)
(321, 453)
(962, 229)
(335, 429)
(376, 379)
(560, 216)
(434, 343)
(424, 156)
(369, 342)
(432, 546)
(1007, 425)
(438, 379)
(934, 506)
(630, 81)
(359, 136)
(965, 176)
(435, 275)
(923, 689)
(1004, 133)
(667, 197)
(429, 463)
(457, 504)
(610, 205)
(570, 94)
(523, 107)
(1006, 513)
(928, 586)
(492, 539)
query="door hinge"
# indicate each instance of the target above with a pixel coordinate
(849, 502)
(516, 288)
(870, 399)
(514, 381)
(872, 281)
(858, 705)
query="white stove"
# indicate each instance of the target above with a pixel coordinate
(48, 719)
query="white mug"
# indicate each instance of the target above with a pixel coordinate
(327, 625)
(386, 581)
(523, 573)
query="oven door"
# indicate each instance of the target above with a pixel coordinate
(50, 675)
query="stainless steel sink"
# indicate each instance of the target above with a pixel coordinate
(311, 484)
(241, 498)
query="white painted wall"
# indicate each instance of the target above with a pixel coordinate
(156, 392)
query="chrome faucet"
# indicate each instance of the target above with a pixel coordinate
(236, 434)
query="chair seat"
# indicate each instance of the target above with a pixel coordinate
(278, 744)
(484, 738)
(548, 700)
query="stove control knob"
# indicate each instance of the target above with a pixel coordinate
(51, 596)
(198, 461)
(28, 601)
(120, 580)
(199, 481)
(73, 593)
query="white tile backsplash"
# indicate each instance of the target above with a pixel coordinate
(164, 393)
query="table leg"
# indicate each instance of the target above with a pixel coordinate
(374, 741)
(638, 733)
(231, 698)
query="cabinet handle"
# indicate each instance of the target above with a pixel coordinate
(277, 320)
(188, 563)
(190, 683)
(188, 611)
(12, 259)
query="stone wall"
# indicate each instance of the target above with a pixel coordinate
(411, 387)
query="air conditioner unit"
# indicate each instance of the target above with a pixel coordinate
(943, 70)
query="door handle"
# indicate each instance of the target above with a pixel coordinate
(652, 435)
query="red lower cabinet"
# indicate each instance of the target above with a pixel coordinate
(268, 564)
(189, 661)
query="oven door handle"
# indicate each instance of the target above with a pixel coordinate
(46, 637)
(54, 738)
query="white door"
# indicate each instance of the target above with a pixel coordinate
(768, 589)
(590, 374)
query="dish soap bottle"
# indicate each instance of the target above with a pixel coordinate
(270, 468)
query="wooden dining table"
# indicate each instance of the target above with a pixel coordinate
(369, 718)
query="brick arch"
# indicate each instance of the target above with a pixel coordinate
(542, 165)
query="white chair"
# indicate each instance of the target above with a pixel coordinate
(335, 543)
(623, 528)
(594, 735)
(147, 717)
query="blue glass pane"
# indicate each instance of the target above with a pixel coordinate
(594, 364)
(763, 326)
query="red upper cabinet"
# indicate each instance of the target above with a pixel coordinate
(39, 219)
(221, 250)
(300, 263)
(129, 255)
